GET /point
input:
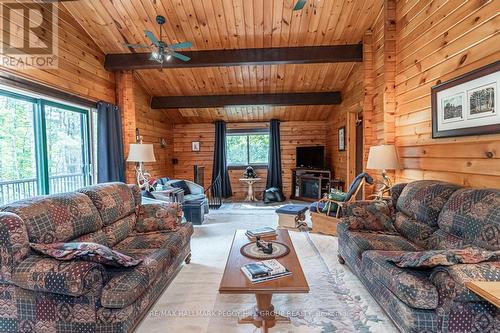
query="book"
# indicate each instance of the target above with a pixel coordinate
(264, 270)
(262, 232)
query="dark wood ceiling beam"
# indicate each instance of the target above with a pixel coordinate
(214, 101)
(241, 57)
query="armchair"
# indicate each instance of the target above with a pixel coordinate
(335, 204)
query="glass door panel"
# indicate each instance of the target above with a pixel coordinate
(18, 175)
(67, 138)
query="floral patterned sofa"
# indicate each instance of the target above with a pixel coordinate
(44, 295)
(425, 216)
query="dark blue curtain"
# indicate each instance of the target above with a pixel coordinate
(220, 159)
(274, 178)
(110, 159)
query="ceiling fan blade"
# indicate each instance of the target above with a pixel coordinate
(179, 56)
(180, 45)
(300, 4)
(137, 46)
(152, 37)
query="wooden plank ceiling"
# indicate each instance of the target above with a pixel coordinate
(233, 24)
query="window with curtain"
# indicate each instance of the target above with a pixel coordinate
(45, 147)
(250, 148)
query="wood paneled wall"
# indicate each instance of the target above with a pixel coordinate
(352, 103)
(293, 134)
(80, 70)
(152, 124)
(437, 43)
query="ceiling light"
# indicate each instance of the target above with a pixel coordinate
(169, 57)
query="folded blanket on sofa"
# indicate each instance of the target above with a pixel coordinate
(449, 257)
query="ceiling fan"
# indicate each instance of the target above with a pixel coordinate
(162, 51)
(299, 5)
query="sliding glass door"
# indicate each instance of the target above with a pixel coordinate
(68, 154)
(45, 147)
(18, 167)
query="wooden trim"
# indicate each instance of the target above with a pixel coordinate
(18, 82)
(241, 57)
(213, 101)
(478, 130)
(351, 148)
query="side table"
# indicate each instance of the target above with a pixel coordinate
(250, 182)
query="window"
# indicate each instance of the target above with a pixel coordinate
(45, 147)
(247, 148)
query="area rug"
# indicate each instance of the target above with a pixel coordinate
(337, 302)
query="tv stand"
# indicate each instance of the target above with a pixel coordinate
(310, 184)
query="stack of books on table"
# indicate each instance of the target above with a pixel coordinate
(261, 232)
(264, 270)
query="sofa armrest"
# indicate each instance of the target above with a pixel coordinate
(368, 215)
(450, 281)
(157, 217)
(73, 278)
(14, 244)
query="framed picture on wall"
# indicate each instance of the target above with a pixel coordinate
(468, 104)
(342, 138)
(195, 146)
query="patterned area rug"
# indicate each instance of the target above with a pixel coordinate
(337, 302)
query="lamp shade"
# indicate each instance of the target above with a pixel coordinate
(141, 152)
(382, 158)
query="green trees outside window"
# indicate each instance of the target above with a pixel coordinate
(44, 147)
(247, 149)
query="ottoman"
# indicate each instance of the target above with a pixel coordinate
(194, 211)
(291, 216)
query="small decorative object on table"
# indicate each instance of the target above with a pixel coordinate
(250, 172)
(254, 251)
(266, 247)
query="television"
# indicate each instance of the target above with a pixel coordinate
(311, 157)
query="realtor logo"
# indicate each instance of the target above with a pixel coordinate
(29, 35)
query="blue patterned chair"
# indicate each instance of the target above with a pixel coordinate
(40, 294)
(425, 216)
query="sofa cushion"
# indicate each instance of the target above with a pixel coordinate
(423, 200)
(158, 217)
(160, 239)
(119, 230)
(369, 215)
(474, 216)
(14, 244)
(449, 257)
(126, 285)
(57, 218)
(409, 228)
(440, 240)
(361, 241)
(113, 200)
(411, 286)
(98, 237)
(73, 278)
(87, 252)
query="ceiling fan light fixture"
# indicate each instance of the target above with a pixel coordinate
(168, 57)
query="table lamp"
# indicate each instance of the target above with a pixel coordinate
(141, 153)
(383, 158)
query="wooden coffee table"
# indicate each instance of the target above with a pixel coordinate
(234, 281)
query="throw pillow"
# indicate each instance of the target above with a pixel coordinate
(157, 217)
(334, 195)
(433, 258)
(86, 251)
(182, 185)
